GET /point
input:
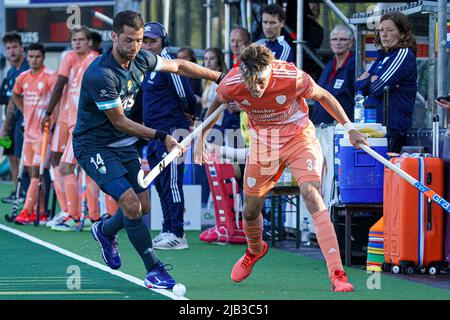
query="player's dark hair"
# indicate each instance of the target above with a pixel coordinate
(83, 29)
(275, 10)
(128, 18)
(96, 37)
(36, 46)
(97, 41)
(12, 36)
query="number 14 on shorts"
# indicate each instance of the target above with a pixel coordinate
(99, 163)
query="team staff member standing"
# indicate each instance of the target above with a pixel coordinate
(272, 93)
(395, 68)
(31, 94)
(14, 118)
(166, 99)
(338, 76)
(104, 136)
(273, 19)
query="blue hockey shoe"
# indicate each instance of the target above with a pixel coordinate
(110, 250)
(158, 278)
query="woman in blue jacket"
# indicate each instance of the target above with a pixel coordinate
(338, 76)
(396, 69)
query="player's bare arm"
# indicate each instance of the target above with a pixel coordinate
(55, 98)
(122, 123)
(190, 69)
(18, 101)
(9, 118)
(335, 109)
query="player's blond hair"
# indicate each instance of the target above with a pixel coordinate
(254, 60)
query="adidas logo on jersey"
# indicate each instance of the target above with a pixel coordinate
(246, 103)
(332, 250)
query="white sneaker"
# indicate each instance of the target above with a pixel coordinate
(172, 242)
(87, 224)
(59, 218)
(68, 225)
(160, 237)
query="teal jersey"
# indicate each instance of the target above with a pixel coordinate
(108, 85)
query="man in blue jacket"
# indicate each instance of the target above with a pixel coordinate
(167, 98)
(338, 76)
(273, 19)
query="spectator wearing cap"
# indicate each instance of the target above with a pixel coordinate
(166, 99)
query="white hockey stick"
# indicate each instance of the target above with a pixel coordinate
(144, 182)
(102, 17)
(432, 195)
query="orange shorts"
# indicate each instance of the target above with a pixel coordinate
(302, 154)
(68, 155)
(60, 137)
(32, 154)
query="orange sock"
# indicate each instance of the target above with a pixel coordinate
(93, 192)
(253, 232)
(58, 183)
(31, 198)
(73, 199)
(326, 237)
(111, 205)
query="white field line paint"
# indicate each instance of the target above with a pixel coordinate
(67, 292)
(94, 264)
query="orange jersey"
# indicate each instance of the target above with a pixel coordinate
(75, 79)
(69, 59)
(281, 112)
(36, 90)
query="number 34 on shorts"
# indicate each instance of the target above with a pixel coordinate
(99, 163)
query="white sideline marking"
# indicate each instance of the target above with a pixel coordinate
(94, 264)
